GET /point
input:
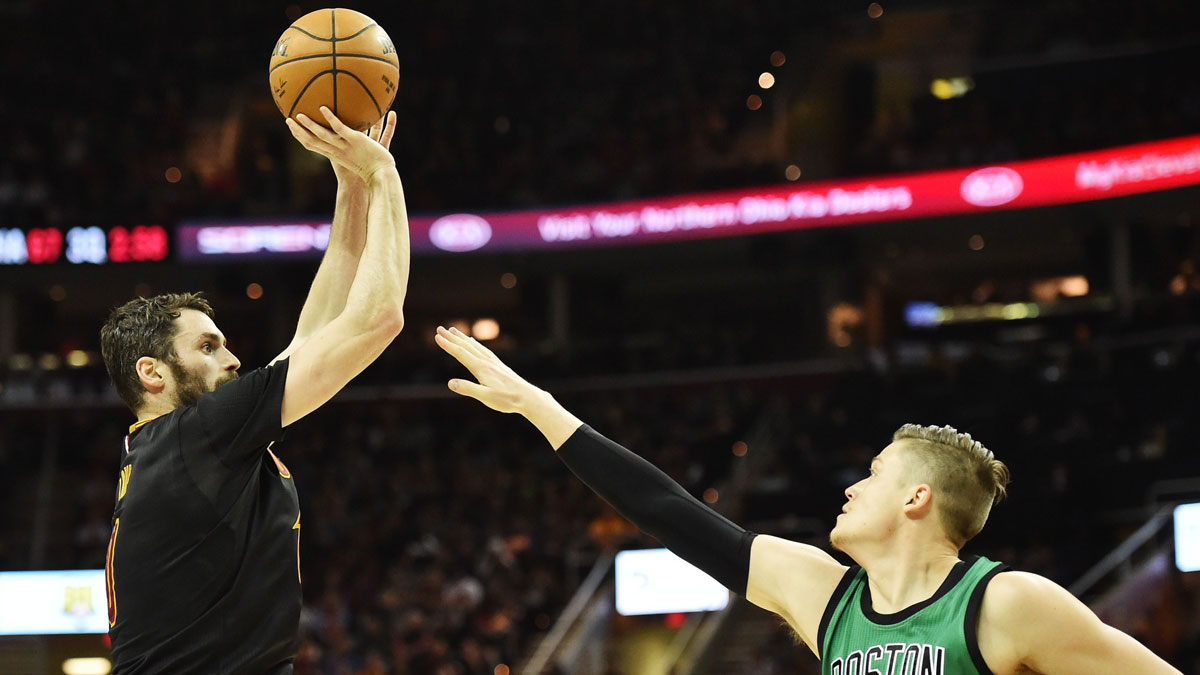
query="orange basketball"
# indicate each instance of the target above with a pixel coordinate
(337, 58)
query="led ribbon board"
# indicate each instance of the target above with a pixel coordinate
(1066, 179)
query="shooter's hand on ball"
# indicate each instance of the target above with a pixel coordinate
(358, 153)
(382, 132)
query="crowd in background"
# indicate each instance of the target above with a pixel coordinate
(440, 537)
(554, 104)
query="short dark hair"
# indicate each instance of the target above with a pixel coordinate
(143, 327)
(967, 478)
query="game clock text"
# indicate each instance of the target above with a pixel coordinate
(83, 245)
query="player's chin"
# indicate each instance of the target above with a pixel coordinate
(838, 538)
(225, 379)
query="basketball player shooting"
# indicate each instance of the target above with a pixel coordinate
(203, 567)
(911, 604)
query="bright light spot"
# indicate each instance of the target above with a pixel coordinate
(948, 88)
(501, 669)
(754, 102)
(93, 666)
(1075, 287)
(49, 362)
(710, 496)
(174, 174)
(20, 362)
(485, 329)
(740, 449)
(792, 172)
(77, 358)
(508, 280)
(254, 291)
(975, 242)
(1178, 285)
(1016, 311)
(766, 80)
(778, 58)
(58, 293)
(874, 10)
(462, 326)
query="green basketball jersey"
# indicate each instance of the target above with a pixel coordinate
(934, 637)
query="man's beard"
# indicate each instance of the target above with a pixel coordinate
(189, 386)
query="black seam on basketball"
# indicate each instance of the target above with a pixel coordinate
(369, 56)
(364, 86)
(333, 53)
(306, 86)
(310, 34)
(340, 55)
(333, 39)
(360, 32)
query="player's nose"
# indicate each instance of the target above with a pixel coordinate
(233, 364)
(852, 491)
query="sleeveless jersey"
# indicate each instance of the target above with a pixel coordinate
(203, 562)
(933, 637)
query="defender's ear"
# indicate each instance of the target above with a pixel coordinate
(920, 501)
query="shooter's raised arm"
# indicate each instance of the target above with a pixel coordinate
(347, 236)
(373, 313)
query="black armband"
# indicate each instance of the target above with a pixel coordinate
(648, 498)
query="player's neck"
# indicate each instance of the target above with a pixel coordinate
(153, 408)
(908, 572)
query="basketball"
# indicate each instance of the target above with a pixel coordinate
(338, 58)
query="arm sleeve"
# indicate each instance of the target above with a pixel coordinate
(239, 419)
(648, 498)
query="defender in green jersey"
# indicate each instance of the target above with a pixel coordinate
(912, 605)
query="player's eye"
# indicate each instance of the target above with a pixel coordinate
(208, 347)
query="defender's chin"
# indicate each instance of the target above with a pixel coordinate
(837, 539)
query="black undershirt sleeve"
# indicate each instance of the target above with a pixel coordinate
(648, 498)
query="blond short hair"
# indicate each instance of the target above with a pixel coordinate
(966, 477)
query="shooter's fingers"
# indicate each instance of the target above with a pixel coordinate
(319, 131)
(307, 139)
(339, 127)
(389, 129)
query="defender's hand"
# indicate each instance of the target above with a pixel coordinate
(499, 388)
(355, 151)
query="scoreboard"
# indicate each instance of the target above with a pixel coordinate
(83, 245)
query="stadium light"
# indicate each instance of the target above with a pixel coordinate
(91, 666)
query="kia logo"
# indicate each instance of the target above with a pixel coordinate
(460, 232)
(992, 186)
